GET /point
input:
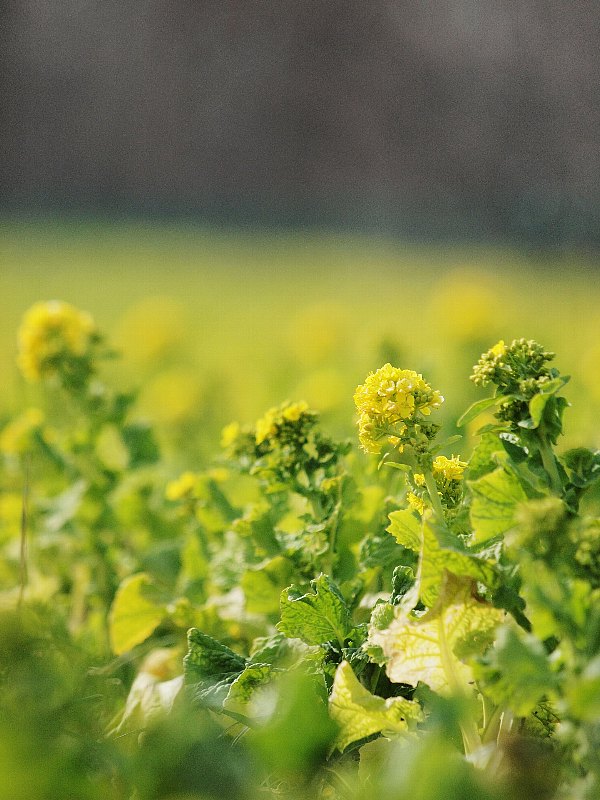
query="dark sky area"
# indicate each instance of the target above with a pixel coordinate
(463, 117)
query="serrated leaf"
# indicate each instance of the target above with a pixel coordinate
(315, 617)
(360, 714)
(211, 667)
(494, 499)
(134, 614)
(433, 648)
(406, 529)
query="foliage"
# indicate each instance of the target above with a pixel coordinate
(298, 619)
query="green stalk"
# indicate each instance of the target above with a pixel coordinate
(434, 497)
(549, 462)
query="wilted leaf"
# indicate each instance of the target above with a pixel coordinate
(360, 714)
(433, 648)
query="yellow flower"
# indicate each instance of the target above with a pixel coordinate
(266, 426)
(498, 349)
(415, 502)
(450, 469)
(419, 479)
(275, 418)
(229, 434)
(50, 330)
(182, 487)
(294, 411)
(15, 437)
(389, 397)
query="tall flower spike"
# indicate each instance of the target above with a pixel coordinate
(391, 404)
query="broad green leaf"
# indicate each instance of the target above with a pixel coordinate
(495, 496)
(111, 449)
(439, 550)
(245, 685)
(478, 408)
(148, 699)
(360, 714)
(263, 584)
(517, 673)
(442, 551)
(134, 614)
(406, 529)
(315, 617)
(483, 458)
(211, 667)
(433, 648)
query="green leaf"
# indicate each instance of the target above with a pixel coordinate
(439, 550)
(263, 584)
(483, 459)
(211, 667)
(315, 617)
(478, 408)
(494, 498)
(433, 648)
(245, 685)
(134, 614)
(517, 673)
(406, 529)
(360, 714)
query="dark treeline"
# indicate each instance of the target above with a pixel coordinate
(458, 117)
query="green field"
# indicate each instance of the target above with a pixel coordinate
(240, 320)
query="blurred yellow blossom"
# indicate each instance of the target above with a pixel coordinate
(230, 433)
(182, 487)
(464, 305)
(415, 502)
(152, 329)
(269, 424)
(51, 333)
(16, 436)
(173, 396)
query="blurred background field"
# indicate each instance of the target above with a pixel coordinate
(215, 324)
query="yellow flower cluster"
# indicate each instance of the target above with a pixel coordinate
(448, 475)
(16, 436)
(50, 330)
(448, 469)
(387, 400)
(268, 425)
(183, 487)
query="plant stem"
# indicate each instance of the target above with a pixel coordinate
(434, 497)
(549, 462)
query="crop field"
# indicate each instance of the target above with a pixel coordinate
(296, 516)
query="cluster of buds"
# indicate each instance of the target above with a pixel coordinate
(519, 371)
(393, 406)
(284, 442)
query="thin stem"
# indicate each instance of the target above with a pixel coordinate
(434, 497)
(23, 572)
